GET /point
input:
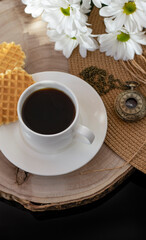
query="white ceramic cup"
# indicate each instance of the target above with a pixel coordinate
(52, 142)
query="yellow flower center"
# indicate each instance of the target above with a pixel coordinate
(129, 8)
(123, 37)
(65, 11)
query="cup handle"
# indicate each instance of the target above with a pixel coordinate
(85, 132)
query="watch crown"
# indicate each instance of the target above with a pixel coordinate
(132, 85)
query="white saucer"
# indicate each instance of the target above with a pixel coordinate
(92, 115)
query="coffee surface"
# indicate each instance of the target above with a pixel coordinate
(48, 111)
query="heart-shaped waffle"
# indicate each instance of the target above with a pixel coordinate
(12, 84)
(11, 56)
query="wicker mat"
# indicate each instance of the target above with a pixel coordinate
(128, 140)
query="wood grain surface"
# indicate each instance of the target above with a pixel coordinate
(48, 193)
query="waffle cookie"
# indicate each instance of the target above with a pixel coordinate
(12, 84)
(11, 56)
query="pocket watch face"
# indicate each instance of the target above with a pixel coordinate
(130, 105)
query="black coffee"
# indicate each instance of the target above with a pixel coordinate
(48, 111)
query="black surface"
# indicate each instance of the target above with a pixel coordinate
(121, 215)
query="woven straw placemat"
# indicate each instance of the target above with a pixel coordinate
(128, 140)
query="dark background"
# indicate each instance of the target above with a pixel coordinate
(121, 215)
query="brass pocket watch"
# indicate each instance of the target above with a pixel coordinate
(130, 105)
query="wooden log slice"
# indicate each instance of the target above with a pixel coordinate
(59, 192)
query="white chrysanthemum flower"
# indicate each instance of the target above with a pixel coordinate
(34, 7)
(62, 42)
(122, 44)
(131, 14)
(67, 44)
(64, 16)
